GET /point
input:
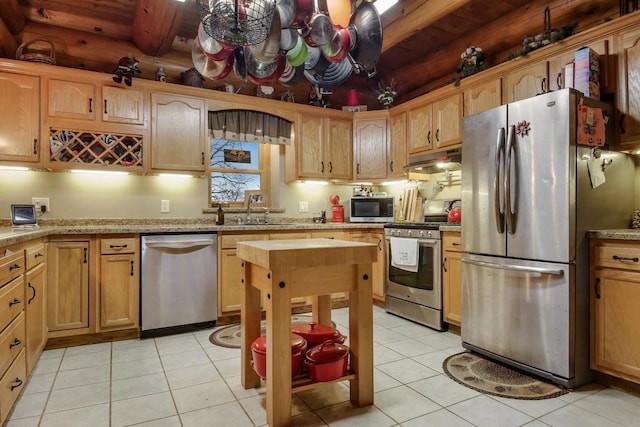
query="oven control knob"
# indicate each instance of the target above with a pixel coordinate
(409, 233)
(429, 234)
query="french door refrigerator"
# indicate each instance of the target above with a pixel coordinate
(527, 201)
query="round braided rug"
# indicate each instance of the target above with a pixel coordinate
(487, 376)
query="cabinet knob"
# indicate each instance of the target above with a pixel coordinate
(14, 266)
(16, 342)
(14, 302)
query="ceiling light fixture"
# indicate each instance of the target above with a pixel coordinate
(383, 5)
(14, 168)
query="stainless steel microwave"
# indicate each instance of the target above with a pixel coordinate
(371, 209)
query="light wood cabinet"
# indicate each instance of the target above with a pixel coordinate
(67, 285)
(178, 133)
(72, 100)
(628, 89)
(36, 315)
(19, 118)
(482, 96)
(447, 119)
(371, 134)
(324, 148)
(379, 266)
(398, 146)
(11, 385)
(122, 105)
(419, 138)
(526, 81)
(452, 277)
(615, 290)
(119, 283)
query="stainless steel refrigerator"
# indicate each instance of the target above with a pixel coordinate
(527, 201)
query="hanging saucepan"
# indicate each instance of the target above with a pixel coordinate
(211, 47)
(338, 48)
(207, 67)
(263, 73)
(303, 12)
(298, 54)
(268, 49)
(319, 29)
(288, 38)
(287, 11)
(366, 34)
(335, 74)
(291, 75)
(240, 66)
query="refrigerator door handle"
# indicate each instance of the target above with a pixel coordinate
(497, 206)
(519, 268)
(510, 200)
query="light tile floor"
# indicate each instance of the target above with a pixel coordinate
(184, 380)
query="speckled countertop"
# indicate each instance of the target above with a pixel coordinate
(621, 234)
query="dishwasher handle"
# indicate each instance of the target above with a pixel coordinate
(180, 244)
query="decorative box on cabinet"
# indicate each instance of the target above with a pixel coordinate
(452, 277)
(20, 118)
(371, 135)
(36, 315)
(119, 283)
(615, 292)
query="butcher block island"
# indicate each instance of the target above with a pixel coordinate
(284, 269)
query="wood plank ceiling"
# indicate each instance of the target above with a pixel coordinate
(423, 39)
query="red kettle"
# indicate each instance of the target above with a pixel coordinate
(455, 214)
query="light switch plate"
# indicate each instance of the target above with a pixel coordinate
(165, 206)
(303, 206)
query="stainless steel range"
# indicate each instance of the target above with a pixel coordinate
(414, 270)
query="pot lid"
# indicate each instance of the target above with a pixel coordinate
(334, 75)
(326, 352)
(297, 344)
(207, 67)
(291, 75)
(316, 332)
(367, 26)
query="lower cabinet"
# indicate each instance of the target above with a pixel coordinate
(36, 314)
(119, 283)
(615, 286)
(452, 277)
(379, 267)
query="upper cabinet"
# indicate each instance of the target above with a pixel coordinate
(628, 88)
(435, 126)
(19, 118)
(72, 100)
(483, 96)
(178, 133)
(419, 132)
(122, 105)
(323, 149)
(526, 81)
(398, 146)
(370, 145)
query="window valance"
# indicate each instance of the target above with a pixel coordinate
(252, 126)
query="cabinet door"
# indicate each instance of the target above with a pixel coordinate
(72, 100)
(67, 285)
(119, 291)
(379, 267)
(370, 146)
(420, 124)
(482, 97)
(230, 288)
(527, 82)
(178, 132)
(447, 116)
(122, 105)
(616, 336)
(452, 287)
(339, 149)
(557, 78)
(19, 118)
(398, 146)
(310, 142)
(36, 314)
(629, 87)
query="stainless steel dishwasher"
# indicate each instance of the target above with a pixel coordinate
(178, 286)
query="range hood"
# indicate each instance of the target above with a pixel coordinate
(435, 162)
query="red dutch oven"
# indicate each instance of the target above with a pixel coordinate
(327, 361)
(259, 354)
(315, 333)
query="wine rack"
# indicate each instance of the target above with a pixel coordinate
(95, 148)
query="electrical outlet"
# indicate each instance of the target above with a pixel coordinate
(42, 204)
(303, 206)
(165, 206)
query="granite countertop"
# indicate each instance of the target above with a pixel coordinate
(620, 234)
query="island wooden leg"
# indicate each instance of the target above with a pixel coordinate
(361, 337)
(249, 327)
(278, 308)
(321, 309)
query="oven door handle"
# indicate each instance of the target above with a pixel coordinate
(519, 268)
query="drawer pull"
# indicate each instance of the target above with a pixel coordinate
(597, 288)
(132, 268)
(34, 293)
(15, 342)
(622, 258)
(38, 255)
(455, 244)
(14, 302)
(16, 383)
(14, 266)
(118, 246)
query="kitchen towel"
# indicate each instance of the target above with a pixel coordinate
(404, 253)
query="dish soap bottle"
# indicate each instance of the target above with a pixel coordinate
(220, 217)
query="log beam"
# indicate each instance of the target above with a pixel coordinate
(416, 16)
(12, 15)
(155, 25)
(8, 44)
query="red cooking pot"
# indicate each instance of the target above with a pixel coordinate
(327, 361)
(455, 215)
(316, 333)
(259, 354)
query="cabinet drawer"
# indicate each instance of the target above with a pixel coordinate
(452, 243)
(230, 242)
(126, 245)
(625, 257)
(12, 340)
(11, 385)
(34, 255)
(11, 301)
(11, 266)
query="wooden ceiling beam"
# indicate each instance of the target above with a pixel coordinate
(12, 15)
(155, 25)
(417, 15)
(8, 44)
